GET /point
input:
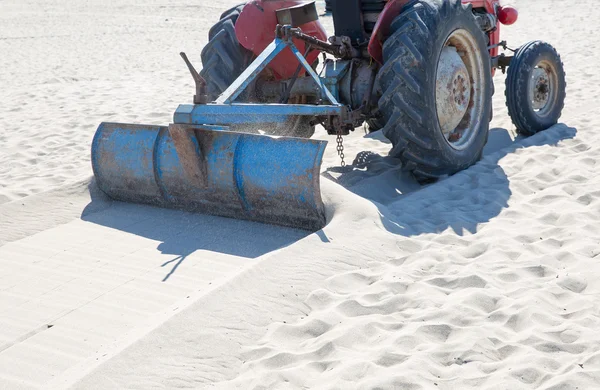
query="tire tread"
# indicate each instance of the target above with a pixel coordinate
(403, 85)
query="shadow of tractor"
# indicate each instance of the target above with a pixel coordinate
(460, 202)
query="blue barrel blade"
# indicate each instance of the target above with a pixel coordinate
(123, 161)
(249, 176)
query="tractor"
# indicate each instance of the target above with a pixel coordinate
(419, 71)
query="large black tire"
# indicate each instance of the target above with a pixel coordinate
(224, 59)
(407, 83)
(524, 116)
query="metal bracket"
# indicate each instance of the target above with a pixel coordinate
(244, 113)
(190, 157)
(282, 41)
(200, 97)
(502, 62)
(502, 43)
(298, 15)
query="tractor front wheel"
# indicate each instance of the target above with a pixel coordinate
(535, 88)
(436, 88)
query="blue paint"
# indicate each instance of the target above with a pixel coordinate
(334, 72)
(242, 113)
(325, 94)
(239, 181)
(248, 75)
(261, 62)
(127, 149)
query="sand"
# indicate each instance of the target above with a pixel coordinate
(484, 280)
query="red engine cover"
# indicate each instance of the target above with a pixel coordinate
(255, 30)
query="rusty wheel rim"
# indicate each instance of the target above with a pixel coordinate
(460, 86)
(542, 88)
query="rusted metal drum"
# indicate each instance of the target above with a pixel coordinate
(230, 174)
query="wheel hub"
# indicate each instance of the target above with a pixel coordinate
(453, 91)
(541, 88)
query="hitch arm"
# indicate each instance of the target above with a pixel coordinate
(200, 97)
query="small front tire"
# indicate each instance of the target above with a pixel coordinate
(535, 88)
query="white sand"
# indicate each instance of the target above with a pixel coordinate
(485, 280)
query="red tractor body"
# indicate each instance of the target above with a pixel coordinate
(256, 25)
(507, 15)
(255, 29)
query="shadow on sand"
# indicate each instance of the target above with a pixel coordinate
(461, 202)
(182, 233)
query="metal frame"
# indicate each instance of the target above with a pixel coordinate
(240, 113)
(224, 111)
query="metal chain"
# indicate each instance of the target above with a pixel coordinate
(340, 148)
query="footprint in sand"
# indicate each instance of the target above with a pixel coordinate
(349, 282)
(574, 283)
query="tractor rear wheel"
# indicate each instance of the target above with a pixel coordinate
(224, 59)
(436, 88)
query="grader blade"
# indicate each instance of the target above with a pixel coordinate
(218, 172)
